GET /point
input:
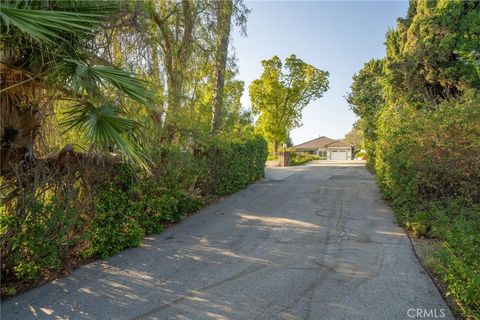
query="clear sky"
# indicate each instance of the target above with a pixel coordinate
(336, 36)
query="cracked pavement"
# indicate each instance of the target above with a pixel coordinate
(308, 242)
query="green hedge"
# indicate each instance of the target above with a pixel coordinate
(297, 159)
(361, 154)
(237, 164)
(427, 163)
(83, 219)
(125, 212)
(38, 238)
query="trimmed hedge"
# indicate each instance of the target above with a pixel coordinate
(237, 164)
(126, 212)
(297, 159)
(71, 219)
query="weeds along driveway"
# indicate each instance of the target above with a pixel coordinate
(309, 242)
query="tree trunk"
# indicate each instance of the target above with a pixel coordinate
(224, 16)
(275, 147)
(177, 43)
(173, 96)
(158, 107)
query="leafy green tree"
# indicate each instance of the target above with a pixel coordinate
(424, 64)
(355, 136)
(288, 141)
(176, 23)
(181, 48)
(367, 101)
(234, 118)
(282, 92)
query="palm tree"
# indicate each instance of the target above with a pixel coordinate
(46, 54)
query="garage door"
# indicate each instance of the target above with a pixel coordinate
(339, 155)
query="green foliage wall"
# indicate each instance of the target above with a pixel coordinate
(61, 207)
(420, 117)
(427, 163)
(114, 210)
(237, 164)
(297, 159)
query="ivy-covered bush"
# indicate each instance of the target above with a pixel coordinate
(425, 155)
(458, 262)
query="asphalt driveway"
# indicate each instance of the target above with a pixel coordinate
(309, 242)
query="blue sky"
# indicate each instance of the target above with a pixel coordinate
(337, 36)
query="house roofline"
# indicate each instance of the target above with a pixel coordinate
(340, 140)
(298, 145)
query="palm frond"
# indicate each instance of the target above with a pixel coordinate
(87, 77)
(47, 25)
(106, 128)
(126, 82)
(103, 7)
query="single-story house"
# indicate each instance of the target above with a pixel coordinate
(327, 148)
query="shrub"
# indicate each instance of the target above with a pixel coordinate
(237, 164)
(361, 154)
(88, 211)
(131, 206)
(116, 225)
(38, 236)
(425, 155)
(427, 163)
(297, 159)
(272, 157)
(458, 263)
(158, 207)
(420, 223)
